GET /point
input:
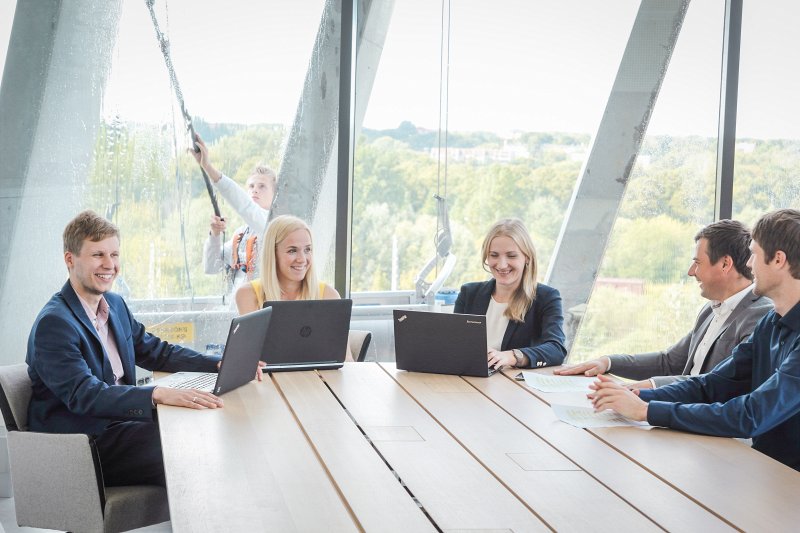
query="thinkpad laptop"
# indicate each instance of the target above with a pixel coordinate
(307, 334)
(239, 361)
(441, 343)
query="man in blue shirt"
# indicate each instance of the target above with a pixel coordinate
(756, 392)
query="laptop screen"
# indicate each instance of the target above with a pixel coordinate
(307, 334)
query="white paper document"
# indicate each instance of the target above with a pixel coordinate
(547, 383)
(585, 417)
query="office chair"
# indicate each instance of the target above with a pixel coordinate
(359, 343)
(57, 480)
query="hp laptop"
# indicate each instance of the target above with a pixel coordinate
(239, 361)
(307, 334)
(441, 343)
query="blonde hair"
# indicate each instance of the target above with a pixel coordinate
(87, 225)
(280, 228)
(525, 293)
(263, 170)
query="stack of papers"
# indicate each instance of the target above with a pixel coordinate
(547, 383)
(586, 417)
(577, 415)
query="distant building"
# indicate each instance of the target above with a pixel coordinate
(632, 285)
(509, 152)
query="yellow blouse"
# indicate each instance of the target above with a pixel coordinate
(261, 297)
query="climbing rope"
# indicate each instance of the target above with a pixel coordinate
(163, 43)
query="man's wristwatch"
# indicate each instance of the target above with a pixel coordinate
(517, 358)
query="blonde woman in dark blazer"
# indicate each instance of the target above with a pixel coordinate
(524, 318)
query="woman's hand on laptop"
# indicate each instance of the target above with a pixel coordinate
(498, 359)
(191, 398)
(260, 370)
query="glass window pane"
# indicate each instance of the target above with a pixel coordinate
(767, 163)
(643, 300)
(513, 103)
(242, 82)
(516, 118)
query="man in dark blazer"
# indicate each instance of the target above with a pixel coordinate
(82, 351)
(720, 268)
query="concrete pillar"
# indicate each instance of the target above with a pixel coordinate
(600, 188)
(307, 175)
(58, 60)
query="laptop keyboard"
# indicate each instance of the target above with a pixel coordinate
(202, 382)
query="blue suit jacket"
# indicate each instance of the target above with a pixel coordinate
(540, 336)
(73, 383)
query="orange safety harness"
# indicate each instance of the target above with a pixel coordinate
(249, 264)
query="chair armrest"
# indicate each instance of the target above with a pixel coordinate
(56, 482)
(359, 343)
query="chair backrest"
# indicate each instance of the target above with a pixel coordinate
(15, 395)
(359, 343)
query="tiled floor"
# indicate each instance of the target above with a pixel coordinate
(8, 521)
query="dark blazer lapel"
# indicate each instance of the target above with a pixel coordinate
(75, 305)
(513, 325)
(122, 345)
(510, 330)
(483, 296)
(740, 308)
(700, 332)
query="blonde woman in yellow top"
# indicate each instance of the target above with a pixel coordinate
(287, 269)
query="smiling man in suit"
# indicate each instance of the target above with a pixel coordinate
(755, 393)
(82, 352)
(720, 268)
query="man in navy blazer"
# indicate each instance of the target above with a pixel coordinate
(82, 351)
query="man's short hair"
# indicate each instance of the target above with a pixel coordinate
(263, 170)
(87, 225)
(728, 237)
(780, 230)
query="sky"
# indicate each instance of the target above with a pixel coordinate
(515, 65)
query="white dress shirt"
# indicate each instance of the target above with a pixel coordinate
(496, 324)
(722, 310)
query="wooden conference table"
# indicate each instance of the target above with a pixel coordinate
(371, 448)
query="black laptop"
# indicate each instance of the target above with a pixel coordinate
(441, 343)
(307, 334)
(239, 361)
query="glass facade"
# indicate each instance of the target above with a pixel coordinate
(493, 107)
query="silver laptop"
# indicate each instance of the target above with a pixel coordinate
(441, 343)
(307, 334)
(239, 361)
